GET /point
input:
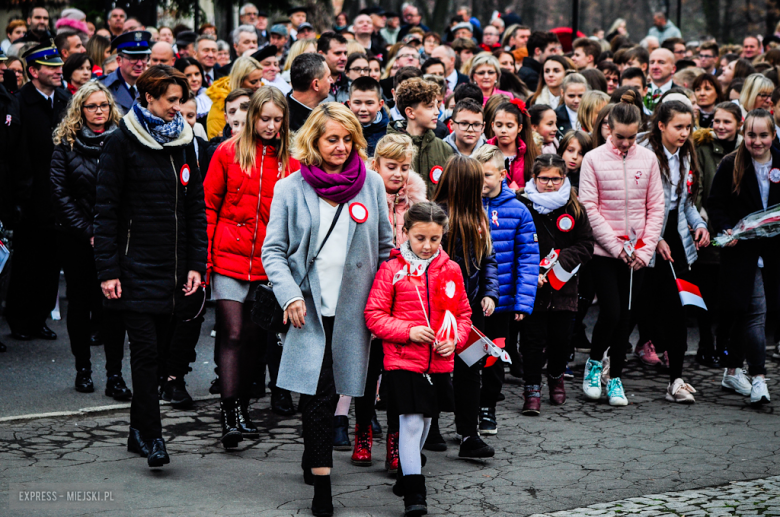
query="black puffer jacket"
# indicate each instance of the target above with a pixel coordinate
(73, 178)
(150, 228)
(10, 124)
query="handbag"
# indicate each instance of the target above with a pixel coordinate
(266, 311)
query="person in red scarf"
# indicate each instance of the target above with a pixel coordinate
(77, 71)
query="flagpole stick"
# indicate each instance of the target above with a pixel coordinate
(673, 273)
(423, 307)
(630, 287)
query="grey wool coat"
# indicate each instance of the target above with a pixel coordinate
(290, 245)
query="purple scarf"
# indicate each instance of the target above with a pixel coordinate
(338, 188)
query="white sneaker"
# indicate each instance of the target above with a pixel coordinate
(759, 394)
(681, 392)
(737, 382)
(591, 385)
(616, 393)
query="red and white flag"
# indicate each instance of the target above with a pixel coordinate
(690, 294)
(478, 346)
(559, 276)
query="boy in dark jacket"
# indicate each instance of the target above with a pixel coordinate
(365, 101)
(513, 232)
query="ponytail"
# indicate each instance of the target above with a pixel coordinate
(626, 112)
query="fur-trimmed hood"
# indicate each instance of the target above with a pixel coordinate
(135, 128)
(706, 136)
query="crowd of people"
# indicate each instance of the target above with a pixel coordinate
(358, 204)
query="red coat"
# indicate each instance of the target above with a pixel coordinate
(393, 309)
(237, 209)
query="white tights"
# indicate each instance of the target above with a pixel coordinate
(412, 432)
(342, 409)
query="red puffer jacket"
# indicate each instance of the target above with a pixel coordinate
(237, 209)
(393, 309)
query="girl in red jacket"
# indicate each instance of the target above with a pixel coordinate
(238, 190)
(514, 136)
(419, 308)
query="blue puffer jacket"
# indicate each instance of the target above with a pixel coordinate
(512, 230)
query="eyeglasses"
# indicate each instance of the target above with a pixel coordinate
(364, 71)
(92, 108)
(485, 72)
(763, 95)
(546, 181)
(467, 126)
(133, 59)
(706, 56)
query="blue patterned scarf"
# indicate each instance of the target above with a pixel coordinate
(162, 132)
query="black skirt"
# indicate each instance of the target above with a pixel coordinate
(412, 393)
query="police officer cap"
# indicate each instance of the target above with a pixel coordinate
(44, 54)
(135, 43)
(184, 38)
(3, 57)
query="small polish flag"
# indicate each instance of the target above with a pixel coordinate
(478, 346)
(559, 276)
(690, 294)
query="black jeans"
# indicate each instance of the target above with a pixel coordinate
(146, 332)
(498, 325)
(85, 307)
(747, 336)
(550, 331)
(466, 384)
(318, 409)
(35, 273)
(364, 406)
(179, 352)
(612, 277)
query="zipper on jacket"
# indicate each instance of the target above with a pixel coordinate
(257, 214)
(625, 185)
(176, 229)
(127, 245)
(428, 300)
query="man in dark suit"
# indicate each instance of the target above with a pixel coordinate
(133, 51)
(310, 79)
(32, 290)
(661, 71)
(447, 56)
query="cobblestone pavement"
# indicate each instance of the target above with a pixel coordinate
(573, 456)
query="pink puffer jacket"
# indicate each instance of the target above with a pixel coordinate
(620, 193)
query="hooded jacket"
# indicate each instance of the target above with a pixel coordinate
(217, 92)
(397, 204)
(431, 152)
(393, 308)
(621, 192)
(375, 131)
(450, 140)
(517, 253)
(150, 217)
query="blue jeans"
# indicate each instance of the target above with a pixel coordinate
(747, 339)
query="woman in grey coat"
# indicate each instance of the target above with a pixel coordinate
(328, 228)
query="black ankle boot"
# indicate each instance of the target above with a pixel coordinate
(322, 504)
(414, 495)
(398, 487)
(136, 443)
(341, 434)
(245, 425)
(228, 417)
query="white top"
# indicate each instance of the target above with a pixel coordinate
(555, 101)
(332, 257)
(762, 174)
(279, 84)
(452, 80)
(203, 103)
(575, 122)
(661, 89)
(674, 176)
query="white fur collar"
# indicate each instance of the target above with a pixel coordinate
(137, 129)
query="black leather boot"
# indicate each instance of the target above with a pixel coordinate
(245, 425)
(84, 380)
(322, 504)
(341, 433)
(281, 402)
(414, 495)
(228, 417)
(136, 443)
(116, 388)
(158, 455)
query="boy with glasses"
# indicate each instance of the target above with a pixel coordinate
(468, 124)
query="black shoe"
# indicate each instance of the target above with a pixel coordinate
(435, 441)
(84, 381)
(487, 421)
(281, 402)
(322, 503)
(341, 433)
(136, 444)
(414, 495)
(158, 455)
(175, 392)
(474, 447)
(501, 397)
(228, 418)
(116, 388)
(215, 387)
(376, 428)
(46, 333)
(245, 424)
(708, 358)
(308, 477)
(21, 336)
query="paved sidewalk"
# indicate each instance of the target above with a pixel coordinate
(573, 456)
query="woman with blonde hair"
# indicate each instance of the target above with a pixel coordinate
(485, 72)
(756, 94)
(328, 222)
(253, 159)
(92, 116)
(589, 109)
(301, 46)
(247, 72)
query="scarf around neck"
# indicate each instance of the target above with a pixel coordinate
(546, 202)
(338, 188)
(162, 132)
(414, 261)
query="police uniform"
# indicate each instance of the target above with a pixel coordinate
(32, 290)
(131, 44)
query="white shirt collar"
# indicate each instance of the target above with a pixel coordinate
(572, 117)
(452, 79)
(292, 96)
(48, 97)
(669, 155)
(664, 87)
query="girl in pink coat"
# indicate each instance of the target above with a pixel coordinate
(621, 189)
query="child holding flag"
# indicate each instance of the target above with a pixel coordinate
(419, 309)
(669, 138)
(566, 243)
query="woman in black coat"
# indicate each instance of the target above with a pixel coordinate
(747, 181)
(150, 236)
(90, 118)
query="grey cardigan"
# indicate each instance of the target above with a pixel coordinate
(290, 245)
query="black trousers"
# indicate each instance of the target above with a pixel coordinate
(466, 384)
(612, 278)
(178, 352)
(145, 331)
(318, 409)
(364, 406)
(35, 273)
(550, 331)
(85, 307)
(498, 325)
